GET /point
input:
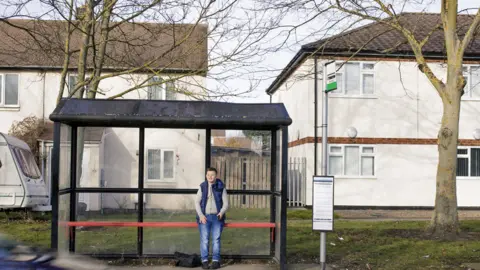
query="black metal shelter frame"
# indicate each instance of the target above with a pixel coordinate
(143, 114)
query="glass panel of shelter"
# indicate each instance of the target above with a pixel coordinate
(109, 160)
(107, 157)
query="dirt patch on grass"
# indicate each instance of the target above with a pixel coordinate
(376, 214)
(423, 235)
(41, 229)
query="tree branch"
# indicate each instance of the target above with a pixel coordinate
(87, 25)
(136, 14)
(425, 40)
(449, 19)
(415, 45)
(469, 35)
(66, 60)
(99, 61)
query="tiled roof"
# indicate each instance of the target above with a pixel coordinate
(380, 40)
(130, 45)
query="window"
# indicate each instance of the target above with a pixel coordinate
(468, 162)
(72, 81)
(351, 160)
(472, 76)
(27, 163)
(160, 165)
(161, 90)
(9, 90)
(355, 79)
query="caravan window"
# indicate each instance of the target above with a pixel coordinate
(27, 163)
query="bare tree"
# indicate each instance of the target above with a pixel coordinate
(103, 39)
(90, 35)
(240, 33)
(343, 14)
(444, 222)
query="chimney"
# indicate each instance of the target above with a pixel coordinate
(81, 12)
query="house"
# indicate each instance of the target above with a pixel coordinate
(30, 72)
(384, 118)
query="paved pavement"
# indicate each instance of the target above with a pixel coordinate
(78, 262)
(234, 267)
(228, 267)
(377, 215)
(472, 265)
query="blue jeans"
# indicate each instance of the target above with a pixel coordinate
(213, 227)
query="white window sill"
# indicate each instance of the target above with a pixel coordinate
(475, 178)
(10, 108)
(355, 177)
(351, 97)
(470, 99)
(160, 182)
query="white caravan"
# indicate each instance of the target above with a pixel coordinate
(21, 182)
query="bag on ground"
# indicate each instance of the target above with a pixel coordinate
(187, 260)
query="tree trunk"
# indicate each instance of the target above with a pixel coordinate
(66, 54)
(104, 32)
(444, 223)
(87, 23)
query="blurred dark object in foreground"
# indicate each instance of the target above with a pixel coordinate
(15, 255)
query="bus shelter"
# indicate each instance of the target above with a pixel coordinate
(163, 149)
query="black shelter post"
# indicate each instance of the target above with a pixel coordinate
(73, 186)
(55, 167)
(141, 167)
(283, 221)
(208, 147)
(273, 177)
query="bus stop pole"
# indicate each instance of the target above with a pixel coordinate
(323, 235)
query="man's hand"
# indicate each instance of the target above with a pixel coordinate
(219, 216)
(203, 220)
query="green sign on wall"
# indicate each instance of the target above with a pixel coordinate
(331, 77)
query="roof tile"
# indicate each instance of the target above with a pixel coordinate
(380, 38)
(40, 43)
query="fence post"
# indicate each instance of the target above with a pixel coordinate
(304, 178)
(297, 181)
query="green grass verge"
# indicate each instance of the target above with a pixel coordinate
(384, 245)
(381, 245)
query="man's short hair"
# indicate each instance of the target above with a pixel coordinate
(211, 169)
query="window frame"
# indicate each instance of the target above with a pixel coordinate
(362, 72)
(3, 90)
(164, 88)
(468, 87)
(25, 160)
(67, 81)
(361, 154)
(468, 156)
(162, 166)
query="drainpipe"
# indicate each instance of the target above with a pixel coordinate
(315, 125)
(43, 96)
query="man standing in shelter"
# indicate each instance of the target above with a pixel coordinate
(211, 205)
